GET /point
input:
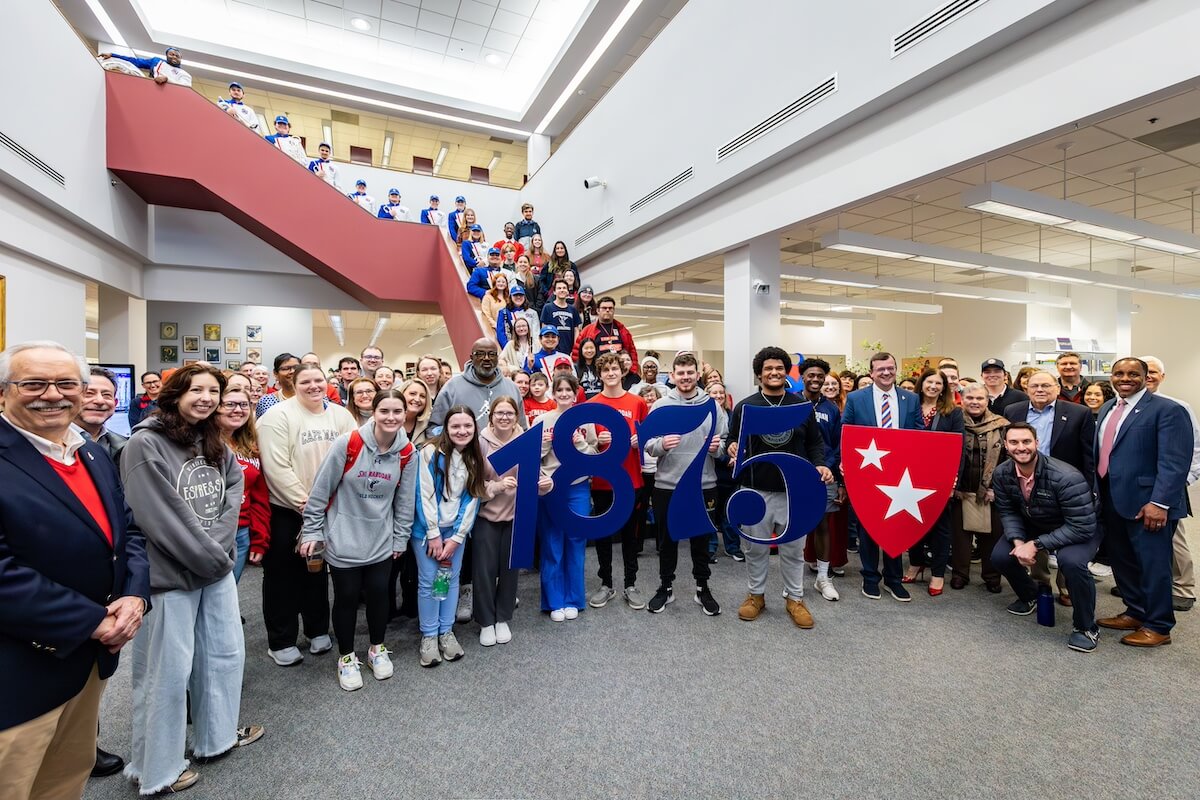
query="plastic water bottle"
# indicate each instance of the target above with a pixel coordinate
(1045, 606)
(441, 585)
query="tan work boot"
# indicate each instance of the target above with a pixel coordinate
(799, 613)
(751, 607)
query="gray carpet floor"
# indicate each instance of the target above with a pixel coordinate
(941, 697)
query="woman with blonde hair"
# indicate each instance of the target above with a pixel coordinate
(495, 299)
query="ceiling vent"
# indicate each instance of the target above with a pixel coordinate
(33, 160)
(814, 96)
(603, 226)
(807, 247)
(933, 23)
(1176, 137)
(686, 175)
(343, 117)
(500, 139)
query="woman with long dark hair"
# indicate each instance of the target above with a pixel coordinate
(184, 486)
(585, 304)
(585, 369)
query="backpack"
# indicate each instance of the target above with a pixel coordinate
(353, 448)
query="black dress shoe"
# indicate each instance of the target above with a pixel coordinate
(107, 764)
(957, 582)
(995, 588)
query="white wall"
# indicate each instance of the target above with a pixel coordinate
(283, 330)
(1161, 328)
(42, 302)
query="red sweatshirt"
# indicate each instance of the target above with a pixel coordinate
(256, 505)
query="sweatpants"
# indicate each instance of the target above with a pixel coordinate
(602, 500)
(288, 588)
(562, 556)
(495, 583)
(668, 552)
(349, 584)
(758, 556)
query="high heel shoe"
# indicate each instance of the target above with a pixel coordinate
(936, 592)
(915, 578)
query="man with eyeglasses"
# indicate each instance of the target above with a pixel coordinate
(285, 371)
(372, 359)
(144, 404)
(72, 600)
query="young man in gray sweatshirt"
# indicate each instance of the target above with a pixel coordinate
(675, 452)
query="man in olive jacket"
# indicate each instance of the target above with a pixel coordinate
(1046, 504)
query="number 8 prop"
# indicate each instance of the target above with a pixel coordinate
(574, 465)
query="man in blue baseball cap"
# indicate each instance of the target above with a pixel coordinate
(460, 205)
(360, 196)
(481, 277)
(291, 145)
(322, 167)
(236, 107)
(431, 215)
(392, 208)
(163, 70)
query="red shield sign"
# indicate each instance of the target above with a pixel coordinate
(899, 481)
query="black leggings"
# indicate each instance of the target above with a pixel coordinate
(348, 586)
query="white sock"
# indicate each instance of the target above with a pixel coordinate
(822, 569)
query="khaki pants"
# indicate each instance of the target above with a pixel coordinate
(1183, 579)
(51, 756)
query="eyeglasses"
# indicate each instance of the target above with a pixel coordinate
(363, 392)
(35, 388)
(504, 415)
(484, 354)
(230, 405)
(292, 368)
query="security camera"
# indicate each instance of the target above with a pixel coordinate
(593, 183)
(761, 288)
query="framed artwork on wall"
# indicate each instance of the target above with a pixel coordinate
(191, 344)
(168, 354)
(254, 354)
(187, 361)
(212, 355)
(233, 364)
(168, 331)
(212, 332)
(254, 333)
(233, 345)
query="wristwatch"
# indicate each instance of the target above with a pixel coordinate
(1037, 545)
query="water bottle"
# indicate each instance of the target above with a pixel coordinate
(441, 585)
(1045, 606)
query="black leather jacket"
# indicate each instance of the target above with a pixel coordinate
(1060, 510)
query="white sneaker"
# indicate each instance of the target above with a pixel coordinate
(287, 656)
(558, 615)
(1099, 570)
(465, 605)
(380, 662)
(487, 635)
(321, 644)
(1053, 561)
(430, 655)
(503, 634)
(570, 612)
(826, 588)
(349, 674)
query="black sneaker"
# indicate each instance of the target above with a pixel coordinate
(899, 592)
(852, 546)
(738, 555)
(663, 596)
(707, 601)
(1022, 608)
(871, 591)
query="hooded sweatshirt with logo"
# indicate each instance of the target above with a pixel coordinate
(187, 508)
(672, 463)
(472, 391)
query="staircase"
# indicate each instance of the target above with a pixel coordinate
(173, 147)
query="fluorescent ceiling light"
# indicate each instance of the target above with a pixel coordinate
(945, 262)
(846, 303)
(441, 157)
(661, 314)
(634, 301)
(1168, 247)
(1015, 212)
(844, 282)
(493, 59)
(803, 323)
(613, 31)
(495, 160)
(944, 293)
(93, 335)
(110, 28)
(1099, 231)
(702, 289)
(327, 132)
(339, 329)
(360, 24)
(868, 251)
(841, 308)
(380, 324)
(795, 313)
(388, 140)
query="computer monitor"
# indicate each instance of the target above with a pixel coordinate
(124, 373)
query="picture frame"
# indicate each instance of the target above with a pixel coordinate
(212, 355)
(187, 361)
(233, 345)
(233, 364)
(168, 331)
(212, 332)
(254, 354)
(254, 333)
(191, 344)
(168, 354)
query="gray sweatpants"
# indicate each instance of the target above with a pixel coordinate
(758, 556)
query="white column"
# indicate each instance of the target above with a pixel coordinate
(122, 329)
(1104, 314)
(539, 151)
(751, 309)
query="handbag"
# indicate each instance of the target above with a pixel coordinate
(976, 515)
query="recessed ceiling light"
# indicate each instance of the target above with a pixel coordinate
(492, 59)
(581, 92)
(360, 24)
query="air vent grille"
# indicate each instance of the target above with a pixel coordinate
(344, 117)
(814, 96)
(603, 226)
(686, 175)
(933, 23)
(33, 160)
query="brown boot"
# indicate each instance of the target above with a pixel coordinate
(799, 613)
(751, 607)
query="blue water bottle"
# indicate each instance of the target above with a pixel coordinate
(1045, 606)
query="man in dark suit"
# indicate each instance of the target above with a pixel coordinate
(1143, 453)
(1065, 431)
(1000, 394)
(74, 579)
(881, 405)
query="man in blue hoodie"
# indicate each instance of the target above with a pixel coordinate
(162, 70)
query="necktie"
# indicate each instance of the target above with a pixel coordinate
(1110, 435)
(885, 412)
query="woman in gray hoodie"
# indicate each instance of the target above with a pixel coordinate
(361, 508)
(184, 486)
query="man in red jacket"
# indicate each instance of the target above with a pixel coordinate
(610, 335)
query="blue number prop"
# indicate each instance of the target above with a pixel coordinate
(686, 516)
(524, 453)
(609, 465)
(805, 490)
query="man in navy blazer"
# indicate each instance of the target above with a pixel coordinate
(881, 405)
(1143, 454)
(74, 579)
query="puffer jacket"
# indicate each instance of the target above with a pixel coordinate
(1060, 509)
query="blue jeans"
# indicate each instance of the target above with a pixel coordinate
(243, 550)
(562, 556)
(729, 535)
(191, 644)
(436, 616)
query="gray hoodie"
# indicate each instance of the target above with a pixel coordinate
(372, 512)
(673, 463)
(187, 508)
(469, 390)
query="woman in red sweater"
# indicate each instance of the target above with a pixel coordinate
(234, 418)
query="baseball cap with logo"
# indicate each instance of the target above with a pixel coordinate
(991, 363)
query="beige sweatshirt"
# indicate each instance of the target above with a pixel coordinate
(293, 443)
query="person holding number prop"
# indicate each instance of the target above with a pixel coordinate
(676, 452)
(769, 482)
